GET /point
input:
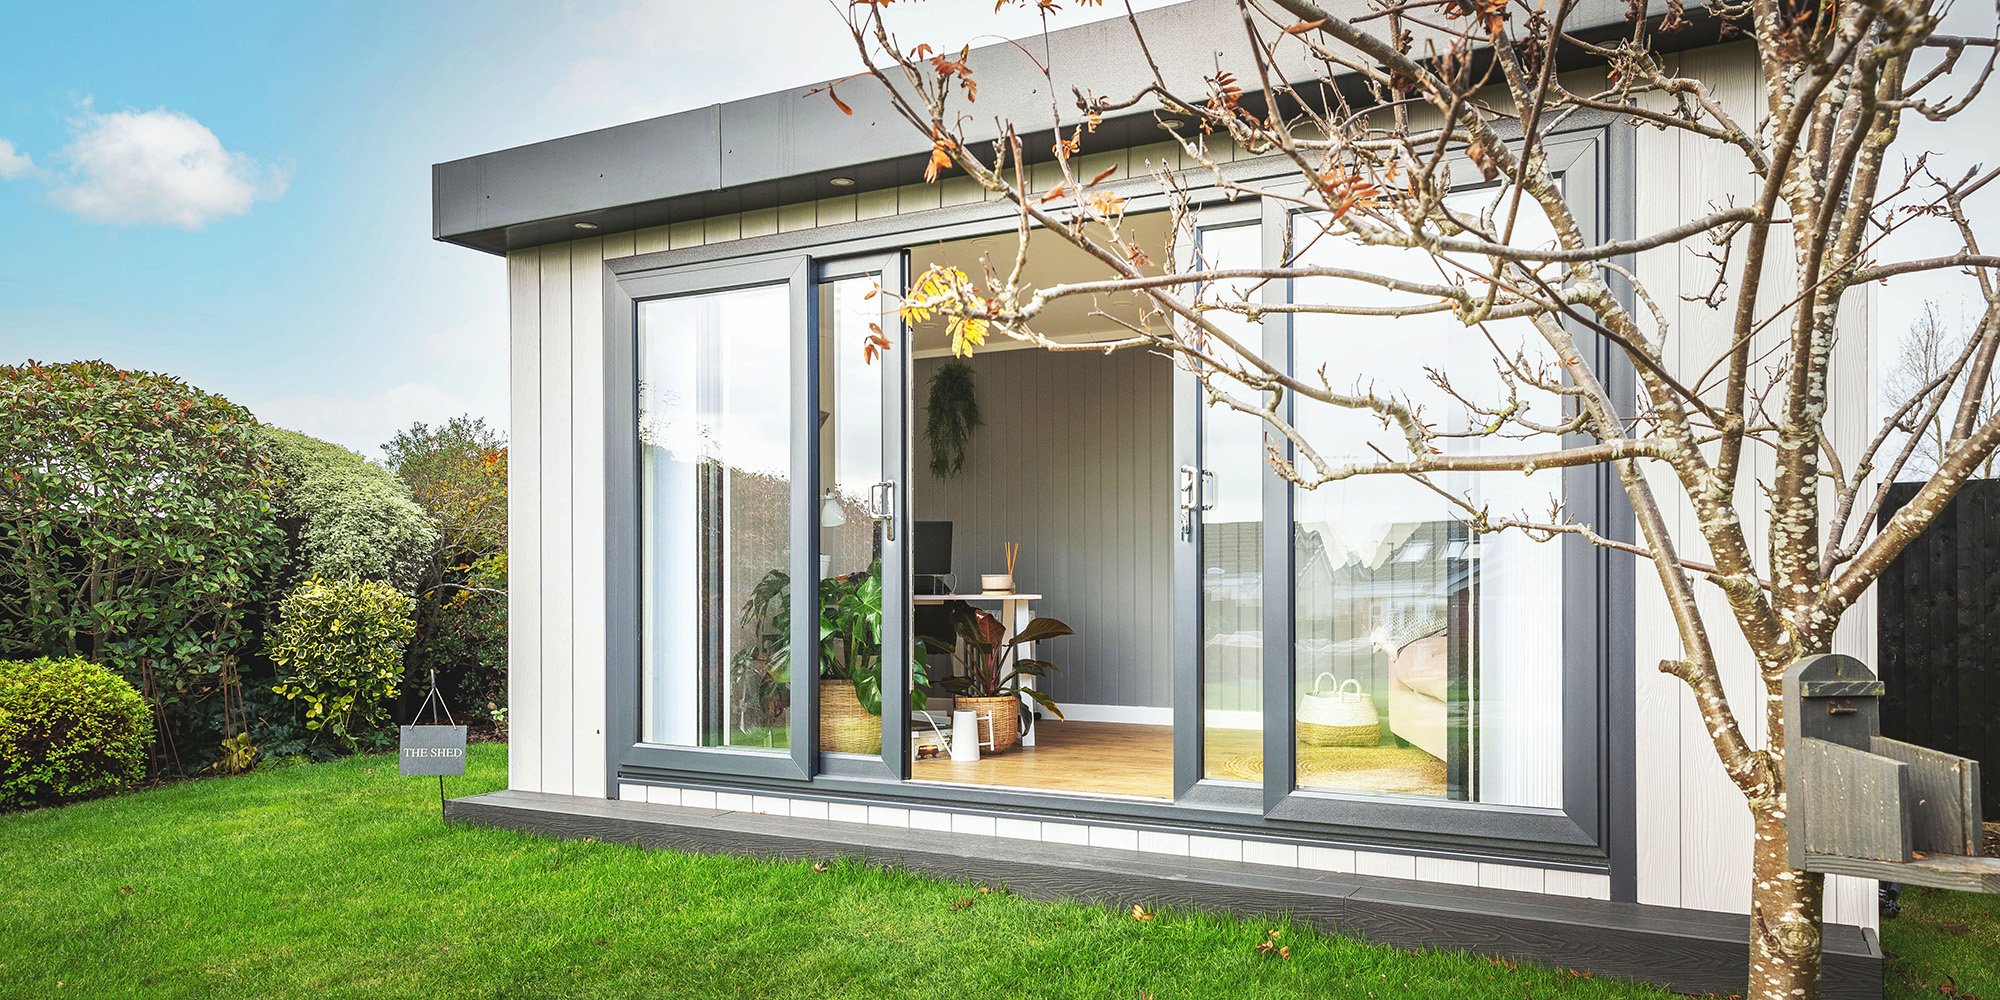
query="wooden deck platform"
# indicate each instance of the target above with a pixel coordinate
(1685, 950)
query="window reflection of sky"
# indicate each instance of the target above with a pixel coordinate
(740, 339)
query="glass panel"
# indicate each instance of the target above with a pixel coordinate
(1232, 542)
(852, 469)
(1429, 660)
(715, 400)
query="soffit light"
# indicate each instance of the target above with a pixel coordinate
(586, 225)
(841, 182)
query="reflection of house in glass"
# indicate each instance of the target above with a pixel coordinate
(1394, 616)
(1232, 609)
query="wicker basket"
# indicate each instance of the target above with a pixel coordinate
(1340, 718)
(1006, 732)
(844, 726)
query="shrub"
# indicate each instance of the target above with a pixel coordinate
(135, 529)
(338, 646)
(344, 516)
(463, 637)
(457, 472)
(68, 728)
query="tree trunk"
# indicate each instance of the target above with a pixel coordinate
(1785, 915)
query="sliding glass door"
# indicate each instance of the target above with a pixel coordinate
(756, 454)
(861, 510)
(1220, 473)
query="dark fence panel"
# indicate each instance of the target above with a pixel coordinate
(1938, 611)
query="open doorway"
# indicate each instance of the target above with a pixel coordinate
(1070, 469)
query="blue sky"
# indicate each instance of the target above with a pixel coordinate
(294, 270)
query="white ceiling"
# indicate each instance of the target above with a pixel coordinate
(1051, 260)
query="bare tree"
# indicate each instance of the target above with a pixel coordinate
(1926, 355)
(1426, 127)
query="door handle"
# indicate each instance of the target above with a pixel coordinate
(882, 507)
(1189, 484)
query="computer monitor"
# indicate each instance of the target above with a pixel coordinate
(930, 552)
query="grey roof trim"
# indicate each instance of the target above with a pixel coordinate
(783, 147)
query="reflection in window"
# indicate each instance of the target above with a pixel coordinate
(852, 461)
(1429, 659)
(1232, 541)
(715, 400)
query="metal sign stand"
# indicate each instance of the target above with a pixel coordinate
(437, 748)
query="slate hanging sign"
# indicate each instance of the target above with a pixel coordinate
(436, 749)
(432, 750)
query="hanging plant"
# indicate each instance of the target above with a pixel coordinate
(953, 413)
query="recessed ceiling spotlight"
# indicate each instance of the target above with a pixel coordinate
(586, 225)
(841, 182)
(1170, 123)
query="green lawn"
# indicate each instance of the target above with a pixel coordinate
(1946, 944)
(338, 880)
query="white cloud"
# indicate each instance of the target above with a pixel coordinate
(158, 167)
(15, 164)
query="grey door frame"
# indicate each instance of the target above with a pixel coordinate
(1589, 573)
(1588, 838)
(1190, 695)
(624, 583)
(893, 762)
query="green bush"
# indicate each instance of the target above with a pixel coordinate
(68, 728)
(344, 516)
(457, 471)
(136, 530)
(338, 646)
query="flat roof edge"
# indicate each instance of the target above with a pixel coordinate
(785, 147)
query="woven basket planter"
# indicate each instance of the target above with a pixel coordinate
(1006, 732)
(844, 726)
(1343, 717)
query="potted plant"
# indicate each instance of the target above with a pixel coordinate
(991, 680)
(849, 654)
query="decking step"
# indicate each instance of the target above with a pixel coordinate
(1686, 950)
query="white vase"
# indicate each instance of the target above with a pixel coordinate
(965, 736)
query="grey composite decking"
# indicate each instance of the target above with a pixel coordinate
(1686, 950)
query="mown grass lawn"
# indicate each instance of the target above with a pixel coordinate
(338, 880)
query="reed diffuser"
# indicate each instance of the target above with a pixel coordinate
(1002, 583)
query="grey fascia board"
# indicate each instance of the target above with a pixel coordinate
(782, 147)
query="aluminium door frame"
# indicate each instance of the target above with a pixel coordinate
(1440, 829)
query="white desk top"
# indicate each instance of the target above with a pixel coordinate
(942, 598)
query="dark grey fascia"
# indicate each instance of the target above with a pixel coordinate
(784, 147)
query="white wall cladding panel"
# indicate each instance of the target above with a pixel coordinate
(525, 664)
(558, 526)
(1693, 830)
(586, 487)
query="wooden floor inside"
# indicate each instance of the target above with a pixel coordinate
(1137, 761)
(1097, 758)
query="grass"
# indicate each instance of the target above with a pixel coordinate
(1946, 944)
(338, 880)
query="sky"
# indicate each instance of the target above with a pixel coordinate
(238, 193)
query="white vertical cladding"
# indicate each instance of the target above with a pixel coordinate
(1657, 728)
(587, 502)
(1693, 846)
(524, 521)
(1854, 900)
(1715, 825)
(558, 526)
(1693, 829)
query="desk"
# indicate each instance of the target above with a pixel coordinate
(1016, 611)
